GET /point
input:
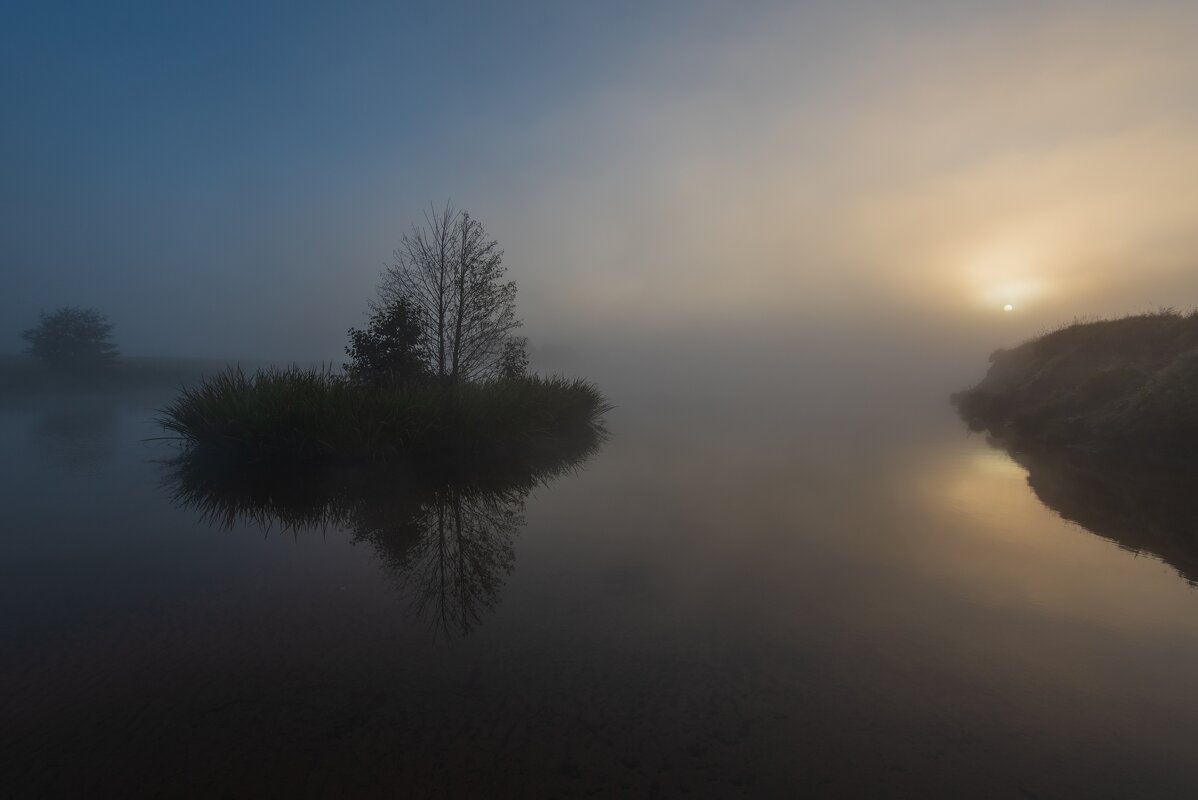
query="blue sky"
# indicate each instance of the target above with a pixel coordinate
(216, 157)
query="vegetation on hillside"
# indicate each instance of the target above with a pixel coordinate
(1123, 384)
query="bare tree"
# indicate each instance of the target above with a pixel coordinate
(453, 273)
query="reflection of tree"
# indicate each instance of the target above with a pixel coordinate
(446, 531)
(1143, 507)
(456, 569)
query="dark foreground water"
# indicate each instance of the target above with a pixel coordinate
(737, 601)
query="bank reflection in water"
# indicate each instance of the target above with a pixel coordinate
(444, 531)
(1144, 507)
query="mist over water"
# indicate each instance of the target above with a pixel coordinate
(743, 592)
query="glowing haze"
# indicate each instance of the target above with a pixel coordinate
(231, 183)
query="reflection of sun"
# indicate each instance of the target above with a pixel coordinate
(1008, 307)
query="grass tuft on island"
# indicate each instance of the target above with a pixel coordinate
(312, 415)
(1121, 385)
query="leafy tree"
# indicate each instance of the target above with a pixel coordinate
(392, 349)
(453, 273)
(71, 338)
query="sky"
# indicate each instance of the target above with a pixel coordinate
(229, 180)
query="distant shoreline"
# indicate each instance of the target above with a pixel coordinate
(22, 375)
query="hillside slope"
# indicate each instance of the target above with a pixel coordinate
(1123, 384)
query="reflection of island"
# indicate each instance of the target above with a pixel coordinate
(445, 531)
(1142, 507)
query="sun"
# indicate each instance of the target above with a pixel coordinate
(1008, 307)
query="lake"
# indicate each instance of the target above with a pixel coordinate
(731, 598)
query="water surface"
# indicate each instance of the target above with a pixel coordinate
(741, 600)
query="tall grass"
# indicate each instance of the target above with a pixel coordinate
(318, 416)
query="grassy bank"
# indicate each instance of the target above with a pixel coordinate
(24, 376)
(314, 416)
(1124, 384)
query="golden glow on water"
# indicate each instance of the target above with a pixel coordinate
(990, 489)
(1008, 549)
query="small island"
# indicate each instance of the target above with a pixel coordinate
(1123, 386)
(437, 377)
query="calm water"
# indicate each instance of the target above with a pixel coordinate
(725, 601)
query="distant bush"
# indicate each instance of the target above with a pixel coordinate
(310, 415)
(72, 339)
